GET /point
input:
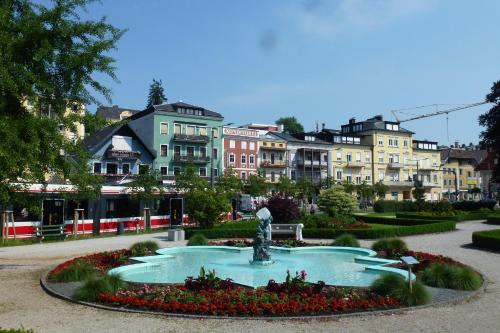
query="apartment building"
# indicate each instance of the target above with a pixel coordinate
(241, 150)
(273, 157)
(427, 168)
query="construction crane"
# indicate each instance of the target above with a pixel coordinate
(437, 113)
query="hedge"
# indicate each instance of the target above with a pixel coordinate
(461, 216)
(474, 205)
(489, 239)
(494, 219)
(425, 226)
(398, 221)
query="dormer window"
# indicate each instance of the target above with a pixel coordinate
(392, 127)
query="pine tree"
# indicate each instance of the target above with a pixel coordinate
(156, 94)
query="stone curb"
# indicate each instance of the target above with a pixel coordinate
(458, 300)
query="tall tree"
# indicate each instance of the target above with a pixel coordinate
(257, 185)
(48, 58)
(290, 125)
(490, 137)
(156, 93)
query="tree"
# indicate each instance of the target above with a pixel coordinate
(286, 187)
(305, 188)
(257, 185)
(347, 186)
(156, 94)
(490, 137)
(230, 183)
(335, 201)
(93, 123)
(48, 60)
(146, 187)
(365, 191)
(290, 125)
(283, 210)
(380, 189)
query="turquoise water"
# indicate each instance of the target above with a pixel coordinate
(334, 265)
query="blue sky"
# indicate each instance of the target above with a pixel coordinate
(321, 61)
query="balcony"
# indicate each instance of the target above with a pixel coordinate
(309, 163)
(395, 183)
(355, 164)
(191, 138)
(273, 164)
(123, 154)
(428, 184)
(191, 159)
(395, 165)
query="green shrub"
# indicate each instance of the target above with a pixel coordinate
(197, 240)
(494, 218)
(474, 205)
(92, 287)
(451, 277)
(335, 201)
(78, 271)
(144, 248)
(392, 247)
(488, 239)
(283, 210)
(348, 240)
(15, 330)
(396, 286)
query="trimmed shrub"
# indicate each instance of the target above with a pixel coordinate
(144, 248)
(348, 240)
(283, 210)
(197, 240)
(396, 286)
(15, 330)
(494, 219)
(451, 277)
(78, 271)
(335, 201)
(474, 205)
(391, 247)
(108, 284)
(488, 239)
(382, 206)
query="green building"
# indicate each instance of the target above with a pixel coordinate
(180, 134)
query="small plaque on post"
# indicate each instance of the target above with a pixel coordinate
(409, 260)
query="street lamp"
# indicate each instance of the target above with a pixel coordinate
(212, 153)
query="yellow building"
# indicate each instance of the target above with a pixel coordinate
(272, 157)
(428, 159)
(114, 113)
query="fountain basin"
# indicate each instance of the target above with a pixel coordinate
(342, 266)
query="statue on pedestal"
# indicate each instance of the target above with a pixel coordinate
(262, 240)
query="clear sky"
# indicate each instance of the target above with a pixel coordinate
(319, 60)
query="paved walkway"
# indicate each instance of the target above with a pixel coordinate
(24, 303)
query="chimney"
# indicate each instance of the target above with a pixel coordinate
(379, 117)
(352, 120)
(322, 126)
(456, 144)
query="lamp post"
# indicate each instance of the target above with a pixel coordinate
(212, 153)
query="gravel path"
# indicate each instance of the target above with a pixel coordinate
(24, 303)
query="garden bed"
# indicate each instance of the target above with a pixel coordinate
(457, 216)
(493, 218)
(489, 239)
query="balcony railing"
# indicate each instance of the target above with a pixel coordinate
(191, 138)
(273, 164)
(309, 163)
(127, 154)
(191, 159)
(395, 183)
(394, 165)
(355, 164)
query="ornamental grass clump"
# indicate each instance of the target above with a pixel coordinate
(94, 286)
(79, 270)
(451, 277)
(347, 240)
(144, 248)
(197, 240)
(395, 286)
(390, 247)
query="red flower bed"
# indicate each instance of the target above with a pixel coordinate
(247, 302)
(426, 259)
(103, 261)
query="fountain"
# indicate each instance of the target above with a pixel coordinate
(262, 241)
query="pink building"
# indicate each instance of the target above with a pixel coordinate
(241, 149)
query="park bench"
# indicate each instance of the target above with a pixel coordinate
(287, 229)
(44, 231)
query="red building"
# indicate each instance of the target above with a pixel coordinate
(241, 149)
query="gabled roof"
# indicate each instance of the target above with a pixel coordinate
(451, 153)
(113, 111)
(173, 107)
(95, 141)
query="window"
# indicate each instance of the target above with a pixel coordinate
(163, 170)
(339, 156)
(203, 172)
(190, 151)
(358, 179)
(349, 157)
(273, 176)
(358, 157)
(243, 145)
(97, 167)
(216, 172)
(251, 159)
(243, 159)
(191, 130)
(368, 178)
(339, 175)
(143, 169)
(381, 175)
(391, 127)
(367, 157)
(381, 157)
(215, 153)
(232, 144)
(163, 150)
(125, 168)
(348, 178)
(435, 178)
(231, 158)
(381, 141)
(264, 155)
(394, 176)
(469, 174)
(177, 129)
(405, 143)
(215, 132)
(163, 128)
(243, 175)
(252, 145)
(177, 170)
(393, 142)
(203, 131)
(111, 168)
(177, 150)
(203, 152)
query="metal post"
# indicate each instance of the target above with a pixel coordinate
(409, 278)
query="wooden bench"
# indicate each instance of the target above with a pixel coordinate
(287, 229)
(50, 231)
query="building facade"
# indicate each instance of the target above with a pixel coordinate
(273, 157)
(490, 189)
(113, 114)
(181, 134)
(241, 150)
(427, 160)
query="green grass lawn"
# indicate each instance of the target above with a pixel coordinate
(384, 214)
